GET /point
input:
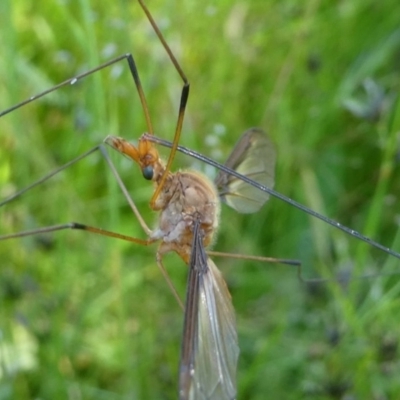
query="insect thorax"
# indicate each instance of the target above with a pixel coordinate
(185, 198)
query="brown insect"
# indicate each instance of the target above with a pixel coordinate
(189, 208)
(189, 211)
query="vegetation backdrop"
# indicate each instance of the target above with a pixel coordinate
(87, 317)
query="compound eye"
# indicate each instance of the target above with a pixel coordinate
(148, 172)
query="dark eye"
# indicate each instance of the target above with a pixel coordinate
(148, 172)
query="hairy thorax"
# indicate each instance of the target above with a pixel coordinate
(185, 198)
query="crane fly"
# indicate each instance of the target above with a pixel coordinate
(189, 212)
(188, 205)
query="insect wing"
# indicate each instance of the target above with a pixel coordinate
(210, 346)
(253, 156)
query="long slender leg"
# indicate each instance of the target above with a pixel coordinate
(47, 177)
(77, 225)
(182, 106)
(255, 258)
(125, 191)
(70, 81)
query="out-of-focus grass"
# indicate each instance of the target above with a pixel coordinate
(85, 317)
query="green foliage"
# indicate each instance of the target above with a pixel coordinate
(87, 317)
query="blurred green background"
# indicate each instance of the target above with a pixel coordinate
(87, 317)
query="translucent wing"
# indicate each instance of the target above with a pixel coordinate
(253, 156)
(210, 349)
